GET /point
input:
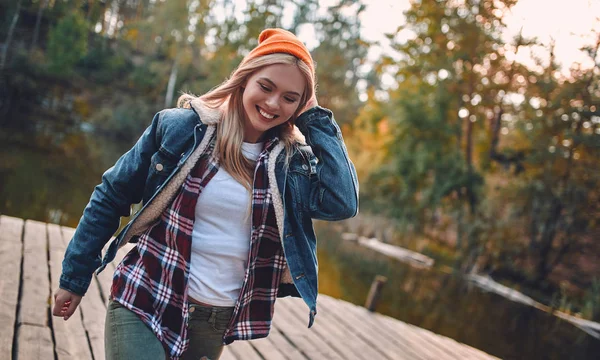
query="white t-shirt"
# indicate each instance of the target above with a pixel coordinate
(221, 237)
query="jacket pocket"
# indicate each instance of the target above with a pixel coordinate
(162, 165)
(299, 183)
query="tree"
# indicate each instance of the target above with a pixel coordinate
(38, 21)
(449, 54)
(67, 43)
(558, 130)
(9, 36)
(339, 57)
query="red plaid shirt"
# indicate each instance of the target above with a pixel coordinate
(151, 280)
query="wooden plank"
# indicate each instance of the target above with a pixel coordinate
(456, 349)
(384, 340)
(70, 337)
(428, 350)
(343, 316)
(35, 293)
(428, 337)
(243, 350)
(437, 344)
(266, 349)
(34, 343)
(475, 353)
(105, 282)
(342, 330)
(327, 325)
(404, 334)
(93, 309)
(452, 350)
(460, 350)
(11, 249)
(291, 320)
(227, 354)
(105, 277)
(275, 346)
(279, 341)
(323, 340)
(406, 343)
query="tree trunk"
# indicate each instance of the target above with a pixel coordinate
(469, 158)
(9, 36)
(542, 269)
(459, 222)
(171, 84)
(38, 21)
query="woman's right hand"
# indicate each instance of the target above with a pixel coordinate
(65, 303)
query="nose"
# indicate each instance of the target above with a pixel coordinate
(272, 102)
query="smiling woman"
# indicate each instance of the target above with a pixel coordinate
(271, 98)
(230, 182)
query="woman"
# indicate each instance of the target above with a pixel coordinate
(230, 182)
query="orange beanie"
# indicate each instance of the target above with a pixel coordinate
(272, 41)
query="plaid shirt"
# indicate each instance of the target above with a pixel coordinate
(151, 280)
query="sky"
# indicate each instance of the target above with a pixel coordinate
(568, 22)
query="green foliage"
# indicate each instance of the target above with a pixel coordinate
(67, 43)
(103, 65)
(591, 302)
(423, 157)
(126, 119)
(485, 146)
(339, 57)
(434, 151)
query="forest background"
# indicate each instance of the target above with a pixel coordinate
(464, 153)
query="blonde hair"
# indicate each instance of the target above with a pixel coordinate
(230, 130)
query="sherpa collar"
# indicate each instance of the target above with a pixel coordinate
(152, 211)
(208, 116)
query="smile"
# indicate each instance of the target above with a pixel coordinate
(266, 114)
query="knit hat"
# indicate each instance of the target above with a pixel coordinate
(272, 41)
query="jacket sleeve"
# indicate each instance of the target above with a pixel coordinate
(122, 185)
(334, 189)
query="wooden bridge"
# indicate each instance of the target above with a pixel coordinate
(31, 253)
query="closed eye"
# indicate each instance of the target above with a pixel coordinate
(264, 88)
(290, 100)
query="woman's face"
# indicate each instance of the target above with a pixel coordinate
(272, 95)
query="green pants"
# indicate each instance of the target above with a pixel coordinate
(126, 337)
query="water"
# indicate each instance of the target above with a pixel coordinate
(447, 304)
(51, 178)
(48, 183)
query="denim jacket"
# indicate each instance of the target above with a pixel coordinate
(319, 183)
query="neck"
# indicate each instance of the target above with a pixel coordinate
(251, 136)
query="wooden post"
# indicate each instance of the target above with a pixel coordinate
(375, 292)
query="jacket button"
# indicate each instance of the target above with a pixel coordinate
(159, 167)
(305, 167)
(192, 309)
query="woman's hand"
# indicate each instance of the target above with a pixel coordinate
(312, 102)
(65, 303)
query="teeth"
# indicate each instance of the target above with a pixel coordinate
(268, 116)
